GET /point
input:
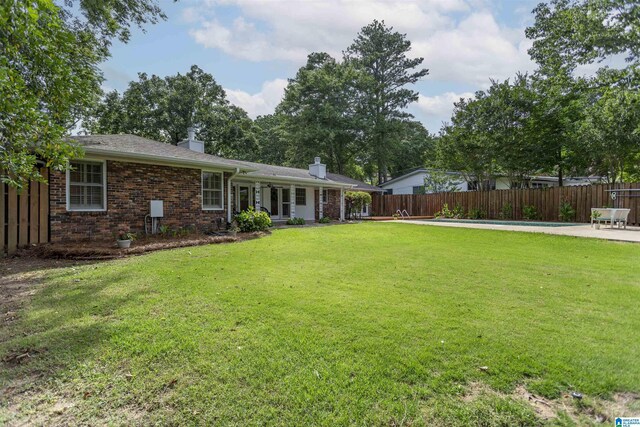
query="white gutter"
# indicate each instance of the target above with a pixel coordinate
(229, 194)
(162, 159)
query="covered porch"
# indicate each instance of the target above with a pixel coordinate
(285, 200)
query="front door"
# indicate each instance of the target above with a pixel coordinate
(280, 203)
(286, 202)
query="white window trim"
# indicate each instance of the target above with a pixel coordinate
(104, 186)
(204, 208)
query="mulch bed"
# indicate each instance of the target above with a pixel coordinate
(103, 250)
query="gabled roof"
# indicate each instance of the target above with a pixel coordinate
(358, 185)
(134, 147)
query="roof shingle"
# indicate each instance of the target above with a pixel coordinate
(136, 147)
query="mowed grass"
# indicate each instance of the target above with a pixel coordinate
(368, 324)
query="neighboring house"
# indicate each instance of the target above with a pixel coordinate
(542, 181)
(113, 185)
(413, 182)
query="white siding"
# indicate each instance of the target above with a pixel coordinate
(405, 185)
(307, 212)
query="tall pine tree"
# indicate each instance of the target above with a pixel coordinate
(381, 54)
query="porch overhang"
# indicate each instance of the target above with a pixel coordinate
(279, 180)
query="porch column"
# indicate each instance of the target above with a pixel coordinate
(292, 201)
(256, 198)
(229, 207)
(342, 204)
(320, 207)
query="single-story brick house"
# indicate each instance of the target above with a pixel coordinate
(112, 187)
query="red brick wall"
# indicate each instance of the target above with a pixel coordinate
(332, 207)
(130, 188)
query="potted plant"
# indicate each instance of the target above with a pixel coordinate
(595, 216)
(125, 238)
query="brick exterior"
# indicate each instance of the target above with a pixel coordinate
(332, 207)
(130, 188)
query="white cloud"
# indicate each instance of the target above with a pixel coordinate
(261, 103)
(440, 105)
(191, 15)
(474, 51)
(434, 110)
(460, 40)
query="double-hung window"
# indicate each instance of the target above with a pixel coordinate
(87, 186)
(301, 196)
(212, 191)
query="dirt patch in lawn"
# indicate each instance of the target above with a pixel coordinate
(105, 250)
(585, 409)
(19, 278)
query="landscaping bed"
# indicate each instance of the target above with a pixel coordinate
(103, 250)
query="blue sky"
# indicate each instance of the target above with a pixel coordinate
(252, 46)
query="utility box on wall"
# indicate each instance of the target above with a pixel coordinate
(157, 209)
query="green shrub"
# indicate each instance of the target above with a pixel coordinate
(324, 220)
(296, 221)
(507, 211)
(567, 213)
(250, 220)
(529, 212)
(444, 212)
(355, 201)
(457, 212)
(476, 213)
(164, 230)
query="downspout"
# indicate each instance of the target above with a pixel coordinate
(229, 194)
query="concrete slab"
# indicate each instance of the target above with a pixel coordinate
(631, 234)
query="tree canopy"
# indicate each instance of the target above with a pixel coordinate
(351, 111)
(164, 108)
(49, 75)
(556, 121)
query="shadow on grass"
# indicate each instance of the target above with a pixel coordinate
(64, 328)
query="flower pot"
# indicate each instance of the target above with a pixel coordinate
(597, 225)
(123, 244)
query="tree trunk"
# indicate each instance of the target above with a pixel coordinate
(560, 169)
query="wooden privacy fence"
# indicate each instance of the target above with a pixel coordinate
(546, 201)
(24, 217)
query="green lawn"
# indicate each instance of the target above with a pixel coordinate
(369, 324)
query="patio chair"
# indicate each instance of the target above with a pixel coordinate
(614, 216)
